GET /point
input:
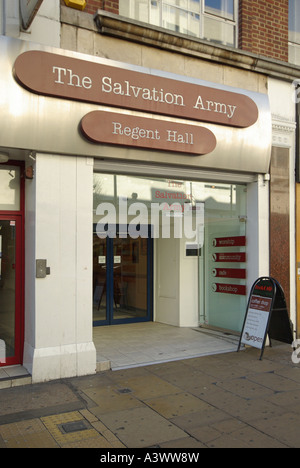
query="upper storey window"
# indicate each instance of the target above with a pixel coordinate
(213, 20)
(294, 31)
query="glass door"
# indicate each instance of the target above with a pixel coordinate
(10, 290)
(122, 290)
(223, 261)
(100, 276)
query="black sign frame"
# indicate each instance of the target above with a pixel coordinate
(278, 325)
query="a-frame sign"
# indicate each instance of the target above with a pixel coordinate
(266, 315)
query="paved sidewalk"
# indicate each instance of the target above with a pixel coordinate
(230, 400)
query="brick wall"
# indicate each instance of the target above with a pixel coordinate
(93, 5)
(263, 27)
(107, 5)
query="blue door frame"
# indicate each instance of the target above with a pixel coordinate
(110, 293)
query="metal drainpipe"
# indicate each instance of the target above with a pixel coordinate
(3, 18)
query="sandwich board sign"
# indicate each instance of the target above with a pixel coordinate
(266, 315)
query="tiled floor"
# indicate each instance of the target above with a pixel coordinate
(141, 344)
(125, 346)
(13, 376)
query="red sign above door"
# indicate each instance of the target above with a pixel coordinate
(239, 257)
(234, 289)
(239, 273)
(238, 241)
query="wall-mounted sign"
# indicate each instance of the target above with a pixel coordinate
(266, 314)
(238, 257)
(236, 289)
(65, 77)
(140, 132)
(29, 9)
(238, 241)
(236, 273)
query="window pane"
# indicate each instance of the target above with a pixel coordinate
(180, 3)
(294, 21)
(192, 5)
(10, 188)
(219, 31)
(223, 8)
(136, 9)
(155, 13)
(294, 54)
(185, 16)
(181, 21)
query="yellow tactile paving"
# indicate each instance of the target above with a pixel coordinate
(52, 423)
(47, 432)
(26, 434)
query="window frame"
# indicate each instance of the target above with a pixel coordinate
(294, 45)
(202, 15)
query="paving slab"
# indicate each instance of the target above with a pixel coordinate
(141, 427)
(31, 401)
(230, 401)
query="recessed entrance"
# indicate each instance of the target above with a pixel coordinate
(198, 234)
(122, 289)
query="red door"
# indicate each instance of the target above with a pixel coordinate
(11, 295)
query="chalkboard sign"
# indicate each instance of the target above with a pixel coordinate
(266, 315)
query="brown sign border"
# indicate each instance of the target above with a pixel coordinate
(65, 77)
(141, 132)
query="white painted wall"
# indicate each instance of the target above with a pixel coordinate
(45, 28)
(258, 259)
(166, 274)
(58, 310)
(188, 288)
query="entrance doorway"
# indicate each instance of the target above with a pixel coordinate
(199, 235)
(10, 290)
(122, 281)
(11, 264)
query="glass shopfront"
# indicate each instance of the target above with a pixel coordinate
(139, 225)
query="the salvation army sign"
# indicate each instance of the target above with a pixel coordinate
(65, 77)
(266, 315)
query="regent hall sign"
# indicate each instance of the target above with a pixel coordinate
(141, 132)
(64, 77)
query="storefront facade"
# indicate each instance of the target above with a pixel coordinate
(115, 151)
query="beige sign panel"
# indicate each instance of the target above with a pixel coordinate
(69, 78)
(140, 132)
